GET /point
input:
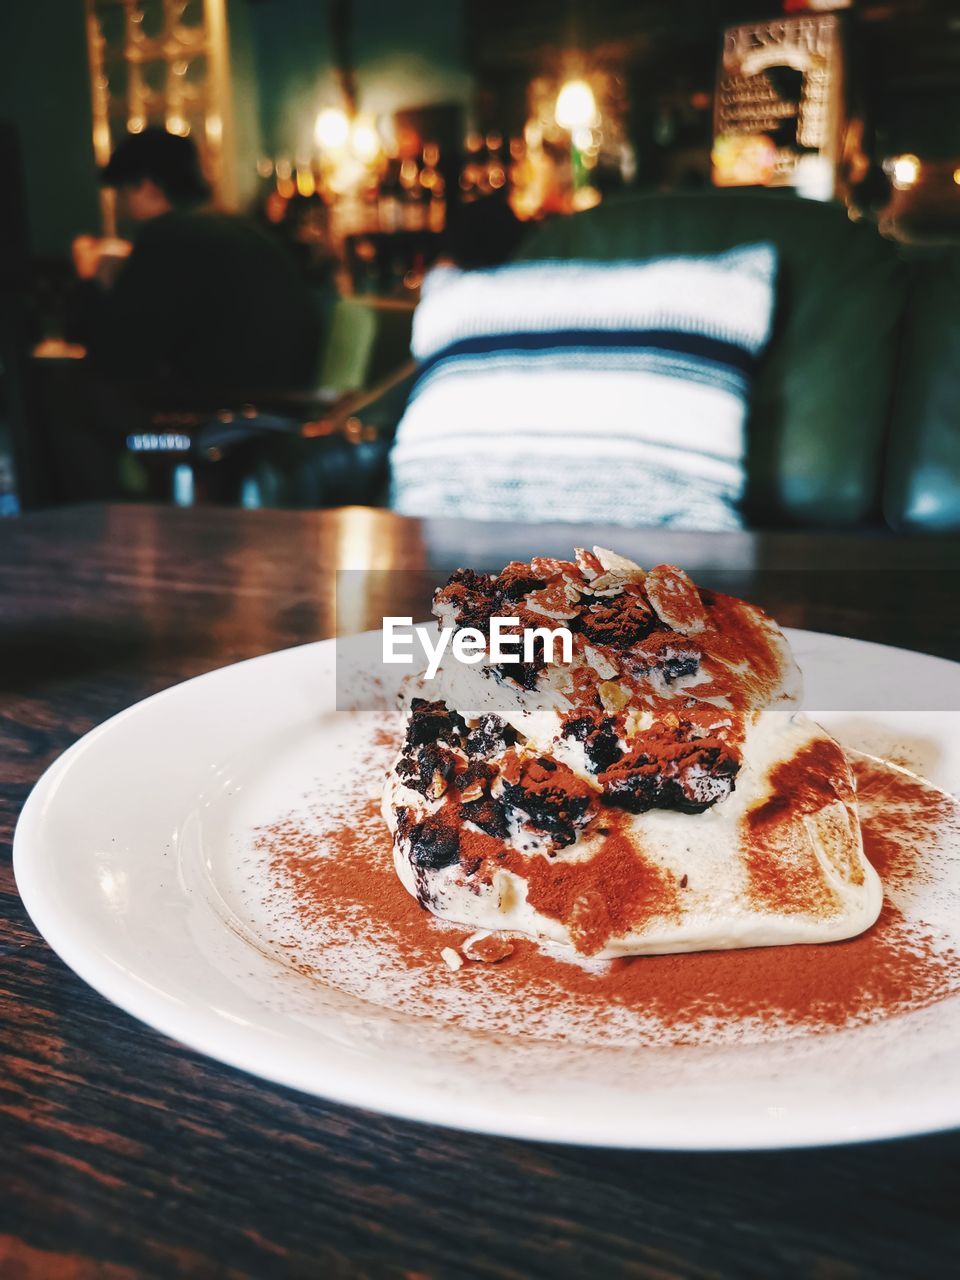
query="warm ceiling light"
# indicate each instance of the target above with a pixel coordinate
(906, 171)
(364, 139)
(533, 134)
(332, 129)
(956, 176)
(576, 106)
(306, 183)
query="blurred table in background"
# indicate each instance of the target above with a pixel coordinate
(123, 1154)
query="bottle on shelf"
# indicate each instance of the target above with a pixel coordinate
(413, 214)
(388, 200)
(431, 180)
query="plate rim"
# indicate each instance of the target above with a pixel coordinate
(215, 1038)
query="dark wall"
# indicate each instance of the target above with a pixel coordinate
(45, 91)
(245, 95)
(283, 71)
(406, 55)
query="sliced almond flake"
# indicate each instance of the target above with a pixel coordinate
(486, 947)
(548, 567)
(637, 722)
(452, 959)
(560, 679)
(473, 792)
(556, 615)
(551, 601)
(438, 785)
(615, 581)
(676, 600)
(608, 584)
(613, 696)
(601, 664)
(587, 562)
(506, 888)
(610, 560)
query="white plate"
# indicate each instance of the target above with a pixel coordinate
(126, 857)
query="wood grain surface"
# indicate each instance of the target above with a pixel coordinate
(124, 1155)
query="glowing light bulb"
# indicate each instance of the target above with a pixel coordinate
(956, 176)
(332, 129)
(576, 106)
(364, 139)
(306, 183)
(906, 171)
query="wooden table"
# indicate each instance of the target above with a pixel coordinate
(123, 1155)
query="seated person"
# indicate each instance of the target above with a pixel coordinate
(204, 299)
(482, 233)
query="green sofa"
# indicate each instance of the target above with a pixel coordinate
(855, 420)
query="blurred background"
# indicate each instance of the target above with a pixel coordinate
(360, 142)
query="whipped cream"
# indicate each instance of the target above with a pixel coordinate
(674, 756)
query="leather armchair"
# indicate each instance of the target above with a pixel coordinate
(821, 400)
(922, 483)
(855, 417)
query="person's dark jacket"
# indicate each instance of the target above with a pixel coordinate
(205, 300)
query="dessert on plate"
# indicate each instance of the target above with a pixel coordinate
(660, 792)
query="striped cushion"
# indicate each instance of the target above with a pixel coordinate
(583, 391)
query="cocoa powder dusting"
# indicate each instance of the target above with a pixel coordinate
(901, 816)
(597, 899)
(342, 915)
(783, 869)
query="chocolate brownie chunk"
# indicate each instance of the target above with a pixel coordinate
(433, 722)
(551, 797)
(525, 674)
(601, 747)
(419, 769)
(619, 622)
(686, 776)
(489, 736)
(670, 655)
(434, 843)
(477, 771)
(472, 597)
(516, 581)
(599, 738)
(579, 727)
(679, 664)
(487, 813)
